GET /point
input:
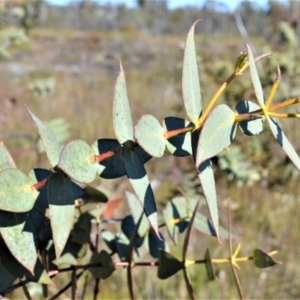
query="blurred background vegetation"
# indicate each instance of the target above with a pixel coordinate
(62, 62)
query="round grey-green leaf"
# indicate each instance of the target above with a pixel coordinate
(150, 135)
(16, 191)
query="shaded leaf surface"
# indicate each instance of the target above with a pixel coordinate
(168, 265)
(249, 127)
(61, 210)
(284, 142)
(180, 145)
(263, 259)
(19, 239)
(209, 266)
(107, 266)
(140, 182)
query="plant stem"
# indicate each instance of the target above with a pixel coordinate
(274, 88)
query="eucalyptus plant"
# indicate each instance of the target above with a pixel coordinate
(37, 210)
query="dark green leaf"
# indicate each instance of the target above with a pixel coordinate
(140, 182)
(94, 195)
(11, 264)
(249, 127)
(106, 268)
(18, 238)
(179, 145)
(61, 210)
(7, 278)
(128, 226)
(209, 266)
(284, 142)
(168, 265)
(109, 239)
(154, 244)
(263, 259)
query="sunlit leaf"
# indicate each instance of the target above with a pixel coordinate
(263, 259)
(11, 264)
(78, 161)
(106, 268)
(255, 78)
(217, 133)
(140, 183)
(168, 265)
(249, 127)
(6, 161)
(179, 145)
(190, 79)
(203, 224)
(16, 191)
(177, 215)
(61, 210)
(137, 210)
(284, 142)
(121, 111)
(19, 238)
(51, 145)
(207, 180)
(150, 135)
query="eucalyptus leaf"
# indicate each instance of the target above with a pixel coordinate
(140, 183)
(137, 210)
(284, 142)
(208, 185)
(106, 268)
(121, 111)
(78, 161)
(16, 191)
(217, 133)
(190, 79)
(179, 145)
(150, 135)
(61, 210)
(6, 161)
(19, 239)
(263, 259)
(253, 126)
(255, 79)
(51, 145)
(168, 265)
